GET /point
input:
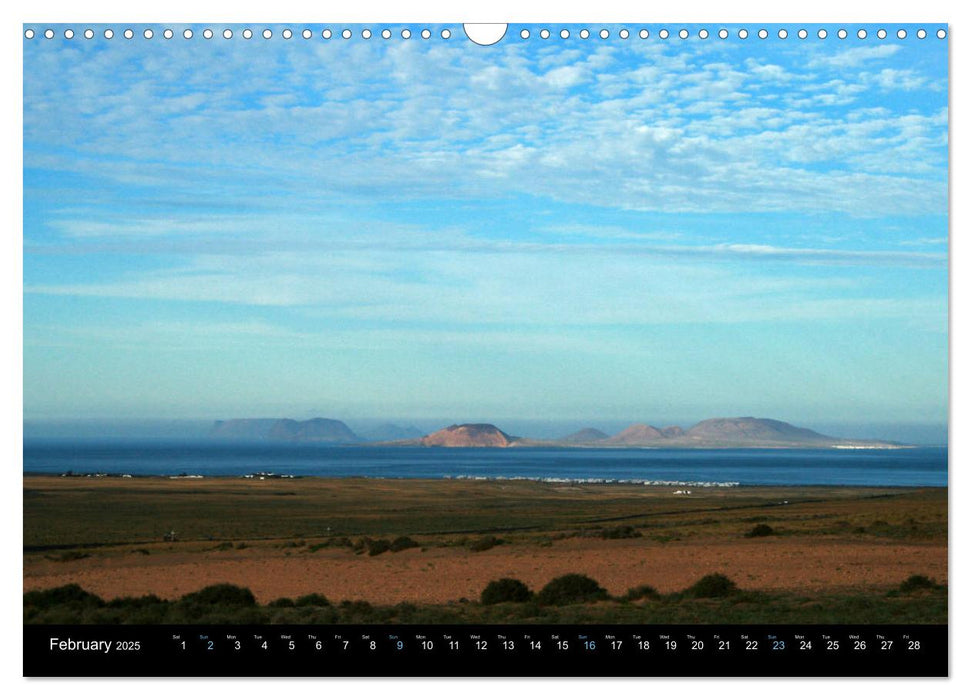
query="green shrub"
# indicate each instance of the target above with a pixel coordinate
(506, 590)
(712, 586)
(621, 532)
(402, 543)
(221, 594)
(71, 594)
(917, 582)
(571, 588)
(376, 547)
(484, 543)
(281, 603)
(312, 600)
(761, 530)
(643, 592)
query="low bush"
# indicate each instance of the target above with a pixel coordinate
(221, 594)
(71, 594)
(621, 532)
(312, 600)
(484, 543)
(712, 586)
(400, 544)
(506, 590)
(571, 588)
(281, 603)
(644, 592)
(917, 582)
(761, 530)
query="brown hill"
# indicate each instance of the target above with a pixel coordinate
(672, 431)
(758, 431)
(468, 435)
(637, 434)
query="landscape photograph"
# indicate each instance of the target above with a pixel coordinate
(338, 325)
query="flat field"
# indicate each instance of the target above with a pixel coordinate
(438, 543)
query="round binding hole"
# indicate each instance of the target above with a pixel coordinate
(544, 34)
(385, 33)
(129, 34)
(68, 33)
(643, 34)
(247, 33)
(664, 33)
(941, 34)
(743, 33)
(623, 33)
(564, 33)
(901, 33)
(822, 34)
(405, 33)
(168, 34)
(783, 34)
(446, 33)
(365, 34)
(841, 34)
(683, 34)
(584, 33)
(109, 33)
(29, 34)
(89, 33)
(327, 34)
(722, 33)
(861, 34)
(207, 34)
(425, 34)
(267, 34)
(703, 34)
(802, 33)
(187, 34)
(227, 33)
(306, 34)
(346, 34)
(921, 34)
(287, 33)
(763, 34)
(604, 34)
(881, 33)
(148, 34)
(48, 33)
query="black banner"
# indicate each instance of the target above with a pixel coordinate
(486, 650)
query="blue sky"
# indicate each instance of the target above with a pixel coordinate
(658, 230)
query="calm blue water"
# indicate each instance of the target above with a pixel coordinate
(926, 466)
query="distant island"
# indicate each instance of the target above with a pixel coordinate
(713, 433)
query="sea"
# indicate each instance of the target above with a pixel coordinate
(921, 466)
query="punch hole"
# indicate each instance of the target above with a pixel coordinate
(29, 34)
(643, 34)
(921, 34)
(426, 34)
(544, 34)
(267, 33)
(743, 33)
(683, 34)
(703, 34)
(901, 33)
(129, 34)
(446, 33)
(326, 34)
(187, 34)
(763, 34)
(861, 34)
(664, 34)
(487, 34)
(841, 34)
(89, 33)
(941, 34)
(346, 34)
(564, 33)
(783, 34)
(584, 33)
(227, 33)
(802, 33)
(722, 33)
(306, 33)
(148, 34)
(109, 33)
(604, 33)
(207, 34)
(168, 33)
(822, 34)
(405, 33)
(287, 33)
(247, 33)
(365, 34)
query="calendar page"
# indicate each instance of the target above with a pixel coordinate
(485, 350)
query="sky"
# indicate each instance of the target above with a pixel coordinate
(569, 230)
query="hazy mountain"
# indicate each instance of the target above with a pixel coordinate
(313, 430)
(468, 435)
(753, 430)
(585, 436)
